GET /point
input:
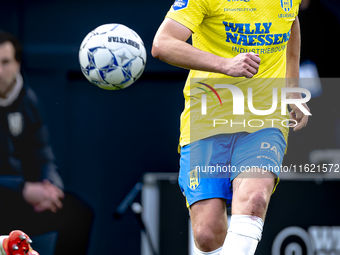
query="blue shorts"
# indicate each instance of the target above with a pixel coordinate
(208, 166)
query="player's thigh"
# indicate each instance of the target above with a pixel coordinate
(205, 183)
(203, 170)
(246, 182)
(258, 152)
(251, 194)
(257, 157)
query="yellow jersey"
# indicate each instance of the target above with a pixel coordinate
(227, 28)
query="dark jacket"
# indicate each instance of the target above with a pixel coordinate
(25, 152)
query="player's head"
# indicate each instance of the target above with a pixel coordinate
(10, 59)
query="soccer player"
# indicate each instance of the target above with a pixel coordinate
(232, 38)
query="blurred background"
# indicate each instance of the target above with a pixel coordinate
(106, 140)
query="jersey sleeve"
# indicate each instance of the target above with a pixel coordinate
(297, 8)
(189, 13)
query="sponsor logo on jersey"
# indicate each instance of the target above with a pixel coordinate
(286, 5)
(286, 15)
(194, 179)
(180, 4)
(240, 9)
(15, 123)
(257, 34)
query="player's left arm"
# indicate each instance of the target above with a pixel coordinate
(292, 74)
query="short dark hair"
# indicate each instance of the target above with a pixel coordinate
(7, 37)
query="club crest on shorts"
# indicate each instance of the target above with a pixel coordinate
(194, 179)
(15, 123)
(286, 5)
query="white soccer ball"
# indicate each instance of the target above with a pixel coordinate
(112, 56)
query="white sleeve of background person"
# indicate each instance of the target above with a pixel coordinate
(2, 251)
(215, 252)
(244, 233)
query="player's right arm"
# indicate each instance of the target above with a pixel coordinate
(171, 47)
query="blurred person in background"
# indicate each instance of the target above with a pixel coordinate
(31, 190)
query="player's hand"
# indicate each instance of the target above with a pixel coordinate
(296, 114)
(243, 65)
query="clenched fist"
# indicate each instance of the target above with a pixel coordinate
(243, 65)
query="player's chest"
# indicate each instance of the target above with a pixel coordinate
(253, 16)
